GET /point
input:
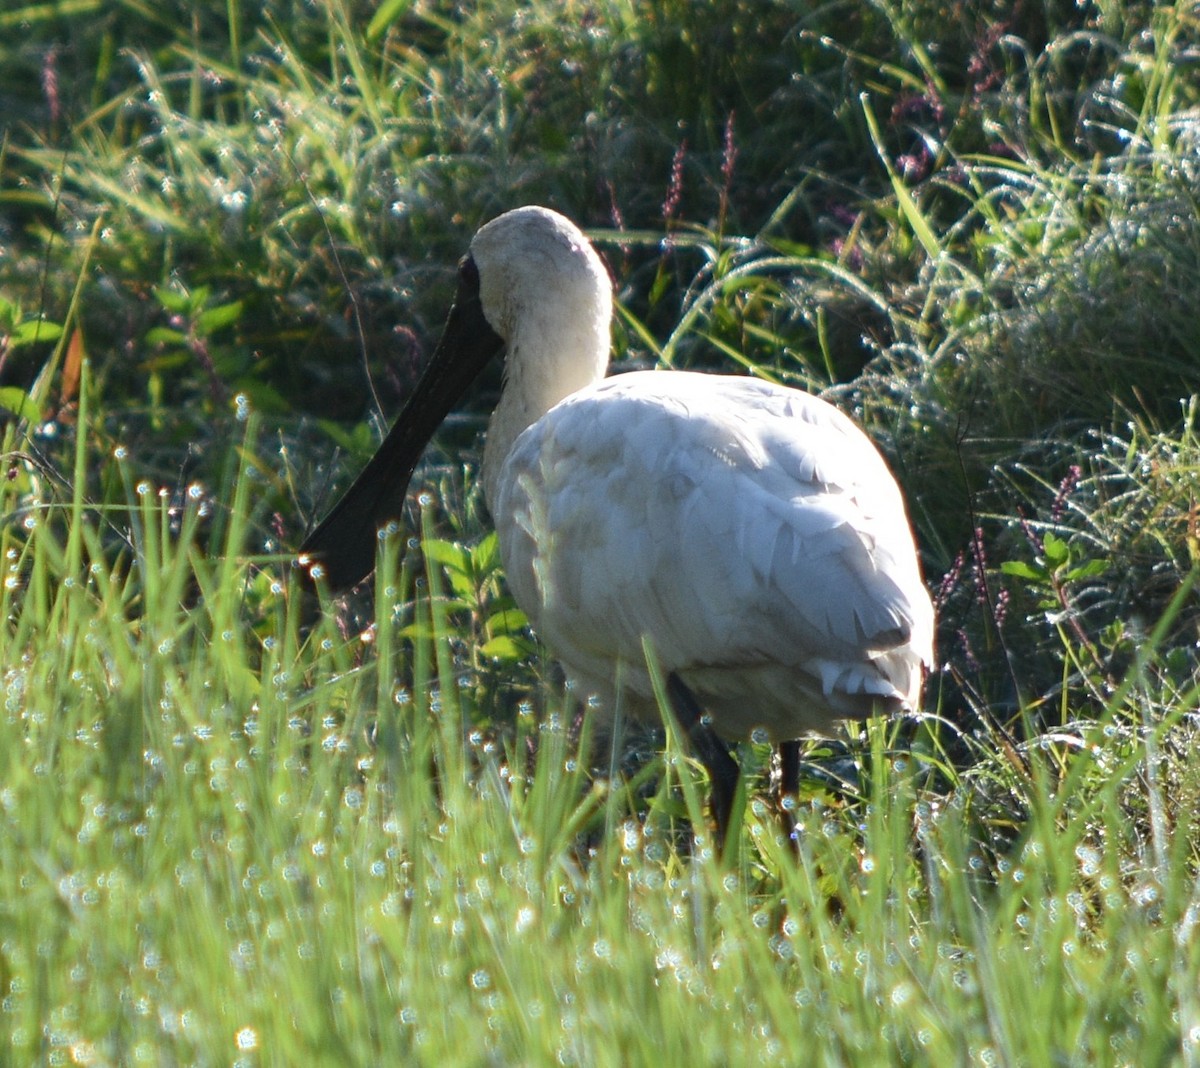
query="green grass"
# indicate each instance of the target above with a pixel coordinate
(227, 838)
(241, 826)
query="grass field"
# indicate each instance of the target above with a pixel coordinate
(241, 827)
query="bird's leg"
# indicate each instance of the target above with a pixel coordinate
(789, 767)
(713, 753)
(789, 785)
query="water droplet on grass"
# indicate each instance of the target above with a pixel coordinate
(246, 1038)
(1089, 859)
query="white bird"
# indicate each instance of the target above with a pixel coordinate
(750, 532)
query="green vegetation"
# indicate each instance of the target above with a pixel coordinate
(235, 828)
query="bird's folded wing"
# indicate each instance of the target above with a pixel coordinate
(727, 519)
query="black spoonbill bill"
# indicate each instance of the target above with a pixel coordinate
(750, 533)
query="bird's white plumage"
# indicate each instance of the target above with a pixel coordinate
(752, 532)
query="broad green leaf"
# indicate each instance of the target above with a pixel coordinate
(485, 557)
(506, 647)
(1020, 569)
(507, 621)
(172, 300)
(218, 318)
(165, 335)
(34, 330)
(450, 555)
(463, 586)
(19, 403)
(1091, 569)
(1055, 549)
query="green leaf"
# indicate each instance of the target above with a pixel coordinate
(387, 13)
(422, 630)
(485, 557)
(167, 361)
(172, 300)
(1055, 550)
(450, 555)
(218, 318)
(507, 621)
(19, 403)
(1090, 569)
(164, 335)
(34, 330)
(463, 587)
(506, 647)
(1020, 569)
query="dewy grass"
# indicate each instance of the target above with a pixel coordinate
(230, 834)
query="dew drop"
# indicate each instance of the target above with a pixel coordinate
(246, 1038)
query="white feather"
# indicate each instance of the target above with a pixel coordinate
(752, 532)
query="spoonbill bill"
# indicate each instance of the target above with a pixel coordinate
(750, 533)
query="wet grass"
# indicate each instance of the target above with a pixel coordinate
(238, 825)
(237, 832)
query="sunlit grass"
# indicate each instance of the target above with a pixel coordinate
(234, 834)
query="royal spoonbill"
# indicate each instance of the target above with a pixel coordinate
(751, 533)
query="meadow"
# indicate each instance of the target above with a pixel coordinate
(241, 825)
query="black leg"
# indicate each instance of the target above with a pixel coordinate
(789, 768)
(713, 753)
(789, 786)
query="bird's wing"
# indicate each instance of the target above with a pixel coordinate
(732, 521)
